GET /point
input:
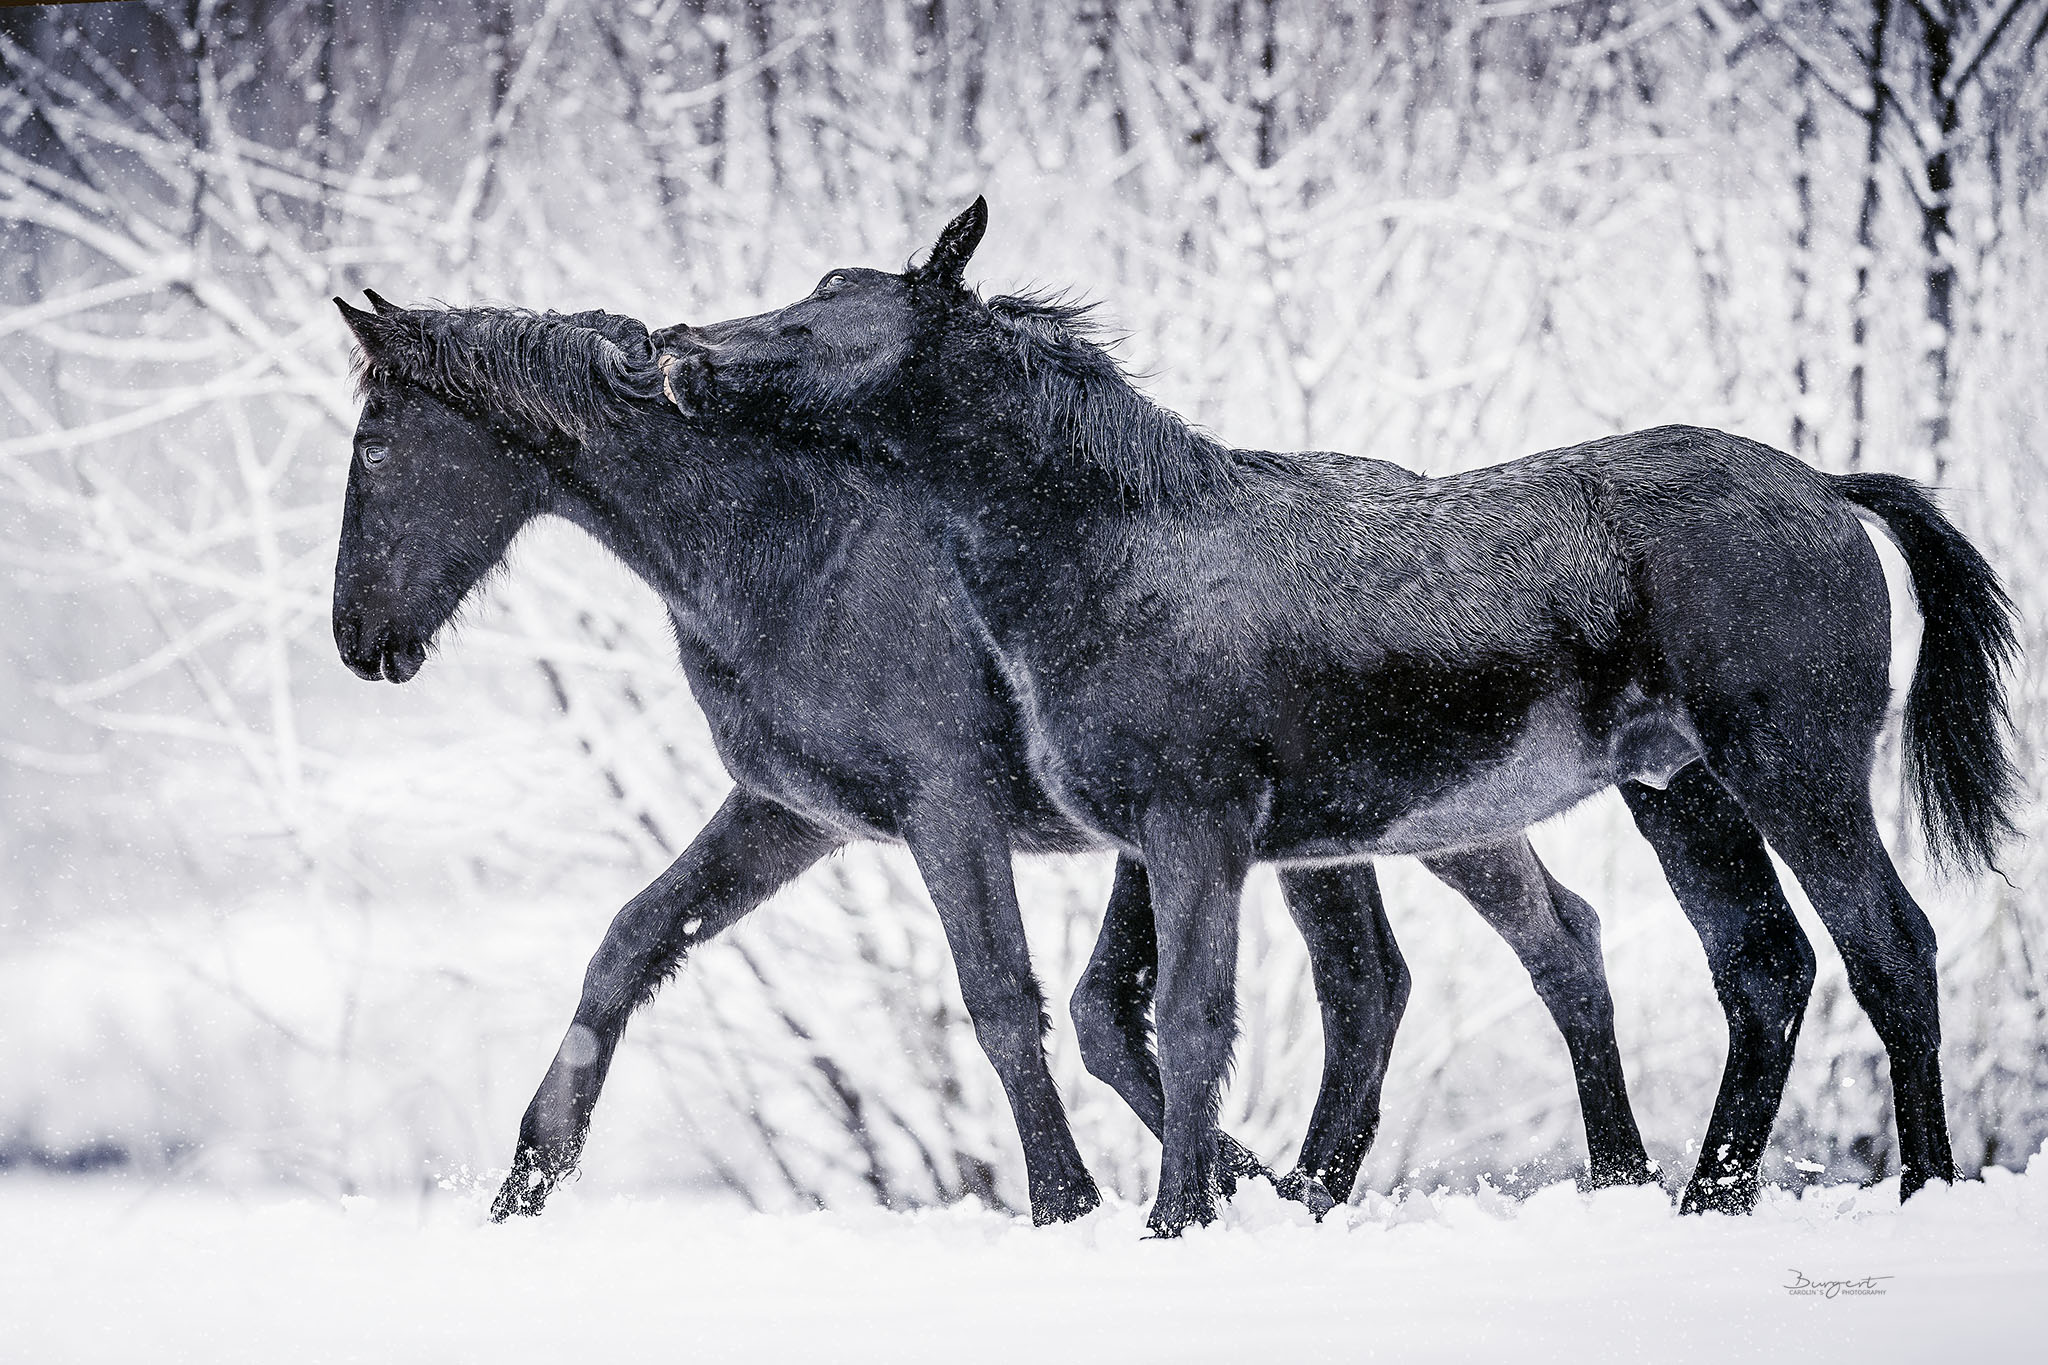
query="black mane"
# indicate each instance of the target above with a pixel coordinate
(561, 374)
(1086, 399)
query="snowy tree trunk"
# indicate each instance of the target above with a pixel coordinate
(1937, 240)
(1805, 127)
(1874, 100)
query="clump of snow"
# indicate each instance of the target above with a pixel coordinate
(106, 1270)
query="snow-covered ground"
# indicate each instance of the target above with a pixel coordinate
(105, 1270)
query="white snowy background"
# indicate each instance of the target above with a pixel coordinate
(268, 933)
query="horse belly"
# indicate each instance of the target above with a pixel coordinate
(1507, 798)
(1548, 765)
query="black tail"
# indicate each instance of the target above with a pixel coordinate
(1957, 762)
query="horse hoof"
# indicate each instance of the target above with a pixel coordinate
(1304, 1189)
(1912, 1179)
(1234, 1162)
(1064, 1204)
(1736, 1194)
(511, 1201)
(1238, 1159)
(525, 1190)
(1607, 1175)
(1171, 1217)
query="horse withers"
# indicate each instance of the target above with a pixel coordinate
(1229, 655)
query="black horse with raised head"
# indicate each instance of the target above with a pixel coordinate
(1230, 655)
(850, 699)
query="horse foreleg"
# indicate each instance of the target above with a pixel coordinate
(1112, 1002)
(750, 848)
(1112, 1007)
(964, 856)
(1197, 861)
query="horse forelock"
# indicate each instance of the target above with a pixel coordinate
(1081, 392)
(561, 375)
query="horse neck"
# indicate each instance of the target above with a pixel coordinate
(716, 532)
(995, 430)
(1033, 513)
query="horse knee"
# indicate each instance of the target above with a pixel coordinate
(1010, 1025)
(1400, 985)
(1108, 1012)
(1580, 920)
(1010, 1043)
(1363, 989)
(1197, 1036)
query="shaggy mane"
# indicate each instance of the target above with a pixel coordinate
(1085, 397)
(562, 374)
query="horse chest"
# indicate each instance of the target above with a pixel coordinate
(854, 728)
(797, 726)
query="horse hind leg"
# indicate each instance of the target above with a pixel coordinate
(1820, 820)
(1774, 633)
(1761, 962)
(1557, 937)
(1789, 731)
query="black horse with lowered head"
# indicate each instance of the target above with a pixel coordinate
(1230, 655)
(850, 700)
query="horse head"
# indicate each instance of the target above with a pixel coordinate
(468, 417)
(845, 344)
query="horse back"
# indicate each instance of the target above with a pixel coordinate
(1369, 562)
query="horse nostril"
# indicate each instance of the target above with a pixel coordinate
(402, 662)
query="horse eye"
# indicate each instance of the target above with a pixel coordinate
(375, 455)
(831, 283)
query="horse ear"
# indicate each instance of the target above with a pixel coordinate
(949, 254)
(379, 302)
(373, 333)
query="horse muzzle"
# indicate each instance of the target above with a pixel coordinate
(380, 658)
